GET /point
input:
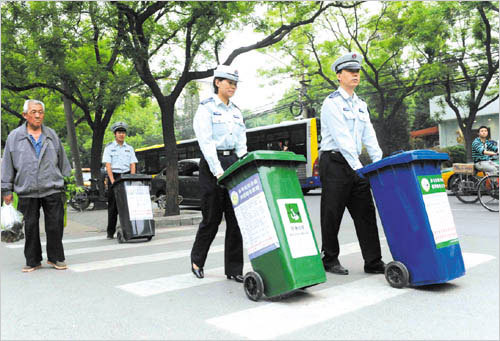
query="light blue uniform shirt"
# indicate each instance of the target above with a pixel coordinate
(120, 157)
(346, 127)
(219, 127)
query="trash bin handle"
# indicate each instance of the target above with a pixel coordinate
(397, 152)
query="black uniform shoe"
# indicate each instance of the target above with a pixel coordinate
(376, 268)
(237, 278)
(109, 236)
(197, 272)
(337, 269)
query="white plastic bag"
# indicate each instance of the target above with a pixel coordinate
(11, 224)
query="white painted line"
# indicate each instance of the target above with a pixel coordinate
(268, 321)
(187, 280)
(473, 259)
(114, 247)
(103, 237)
(177, 282)
(118, 262)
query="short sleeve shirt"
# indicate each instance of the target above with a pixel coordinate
(120, 157)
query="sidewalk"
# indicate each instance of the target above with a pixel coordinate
(95, 221)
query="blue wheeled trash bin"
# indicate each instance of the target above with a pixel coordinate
(134, 207)
(413, 206)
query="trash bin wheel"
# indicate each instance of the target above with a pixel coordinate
(120, 237)
(397, 274)
(253, 285)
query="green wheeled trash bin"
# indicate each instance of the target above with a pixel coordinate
(274, 222)
(134, 207)
(413, 206)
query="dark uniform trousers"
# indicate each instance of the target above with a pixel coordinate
(112, 208)
(341, 188)
(214, 202)
(53, 211)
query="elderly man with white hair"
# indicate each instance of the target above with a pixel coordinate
(34, 165)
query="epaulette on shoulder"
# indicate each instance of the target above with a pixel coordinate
(334, 94)
(109, 144)
(208, 100)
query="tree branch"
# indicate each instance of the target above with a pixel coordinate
(280, 33)
(11, 111)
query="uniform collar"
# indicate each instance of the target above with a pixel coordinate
(219, 102)
(346, 96)
(115, 144)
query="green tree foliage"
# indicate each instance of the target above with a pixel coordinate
(198, 31)
(468, 60)
(67, 48)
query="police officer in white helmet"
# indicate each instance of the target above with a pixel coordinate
(119, 158)
(345, 128)
(220, 130)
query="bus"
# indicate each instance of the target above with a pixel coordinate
(300, 137)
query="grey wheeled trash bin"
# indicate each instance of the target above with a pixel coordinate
(133, 201)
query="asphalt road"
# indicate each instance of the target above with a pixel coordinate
(146, 291)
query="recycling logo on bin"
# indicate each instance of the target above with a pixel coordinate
(297, 229)
(293, 213)
(426, 186)
(235, 198)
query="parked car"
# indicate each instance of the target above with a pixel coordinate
(448, 176)
(189, 186)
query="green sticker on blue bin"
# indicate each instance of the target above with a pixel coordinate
(438, 210)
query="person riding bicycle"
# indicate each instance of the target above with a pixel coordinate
(483, 150)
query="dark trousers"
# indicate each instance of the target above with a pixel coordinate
(53, 211)
(112, 208)
(214, 202)
(341, 188)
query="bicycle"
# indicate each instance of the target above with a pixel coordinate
(488, 192)
(469, 186)
(81, 201)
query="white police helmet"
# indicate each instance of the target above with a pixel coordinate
(351, 60)
(227, 72)
(119, 126)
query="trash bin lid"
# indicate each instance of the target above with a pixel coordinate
(405, 157)
(133, 177)
(263, 155)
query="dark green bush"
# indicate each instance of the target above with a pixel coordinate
(456, 153)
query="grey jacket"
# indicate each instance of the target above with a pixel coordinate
(27, 175)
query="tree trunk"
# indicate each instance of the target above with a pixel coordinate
(172, 180)
(70, 126)
(95, 152)
(468, 138)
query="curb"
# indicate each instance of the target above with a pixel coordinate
(185, 218)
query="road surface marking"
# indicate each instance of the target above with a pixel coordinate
(125, 261)
(177, 282)
(184, 281)
(270, 320)
(103, 237)
(114, 247)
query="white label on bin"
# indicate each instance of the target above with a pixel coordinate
(438, 210)
(297, 229)
(254, 218)
(139, 202)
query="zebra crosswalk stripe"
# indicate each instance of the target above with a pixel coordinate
(275, 319)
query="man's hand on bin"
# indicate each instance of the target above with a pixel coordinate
(360, 174)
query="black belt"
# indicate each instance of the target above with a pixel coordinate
(119, 174)
(225, 152)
